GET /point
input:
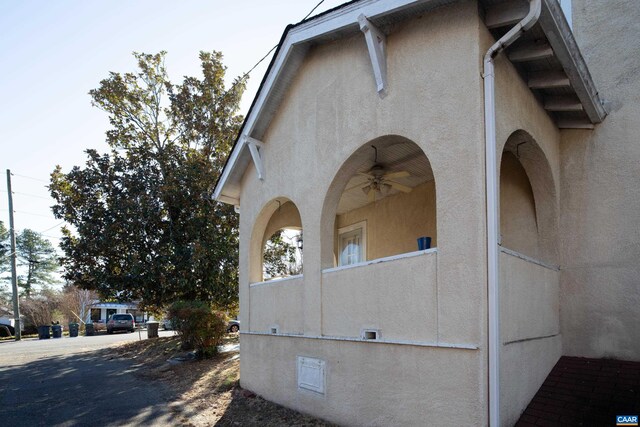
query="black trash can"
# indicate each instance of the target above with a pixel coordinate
(152, 329)
(44, 332)
(89, 330)
(73, 330)
(57, 331)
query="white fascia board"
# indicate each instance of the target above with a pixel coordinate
(340, 19)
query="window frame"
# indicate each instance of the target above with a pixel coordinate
(362, 225)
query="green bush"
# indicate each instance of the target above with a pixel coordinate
(200, 327)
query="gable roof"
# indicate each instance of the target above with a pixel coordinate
(342, 22)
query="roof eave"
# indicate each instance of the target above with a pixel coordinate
(301, 35)
(556, 28)
(345, 19)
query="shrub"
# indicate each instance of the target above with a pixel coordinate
(199, 326)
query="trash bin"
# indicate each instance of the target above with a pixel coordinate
(56, 331)
(44, 332)
(152, 329)
(73, 330)
(89, 330)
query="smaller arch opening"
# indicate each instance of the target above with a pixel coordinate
(282, 254)
(528, 202)
(277, 242)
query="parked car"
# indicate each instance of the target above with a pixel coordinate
(166, 324)
(233, 326)
(121, 322)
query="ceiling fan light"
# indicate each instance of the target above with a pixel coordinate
(385, 189)
(366, 189)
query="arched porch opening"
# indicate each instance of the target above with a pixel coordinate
(528, 199)
(380, 203)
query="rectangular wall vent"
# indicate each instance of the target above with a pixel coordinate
(311, 374)
(370, 334)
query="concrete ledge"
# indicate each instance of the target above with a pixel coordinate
(458, 346)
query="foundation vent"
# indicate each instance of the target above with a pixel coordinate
(311, 374)
(370, 334)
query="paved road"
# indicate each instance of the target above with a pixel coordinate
(73, 382)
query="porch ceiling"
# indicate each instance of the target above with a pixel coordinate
(397, 157)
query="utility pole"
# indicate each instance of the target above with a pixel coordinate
(14, 274)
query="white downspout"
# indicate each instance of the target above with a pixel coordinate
(491, 173)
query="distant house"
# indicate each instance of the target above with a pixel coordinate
(478, 124)
(7, 320)
(101, 311)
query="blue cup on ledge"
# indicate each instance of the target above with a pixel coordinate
(424, 243)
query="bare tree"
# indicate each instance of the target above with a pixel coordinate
(76, 303)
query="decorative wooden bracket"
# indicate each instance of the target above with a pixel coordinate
(376, 42)
(255, 147)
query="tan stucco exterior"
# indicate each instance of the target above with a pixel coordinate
(331, 110)
(600, 215)
(428, 364)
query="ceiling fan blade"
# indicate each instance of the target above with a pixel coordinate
(398, 174)
(372, 195)
(360, 184)
(400, 187)
(367, 174)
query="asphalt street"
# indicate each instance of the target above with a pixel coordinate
(75, 382)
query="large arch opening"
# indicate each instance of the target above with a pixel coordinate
(528, 202)
(381, 203)
(276, 242)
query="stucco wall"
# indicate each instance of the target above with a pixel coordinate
(368, 384)
(530, 327)
(524, 367)
(529, 299)
(330, 110)
(402, 302)
(600, 213)
(277, 303)
(394, 223)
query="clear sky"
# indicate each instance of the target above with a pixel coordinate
(53, 52)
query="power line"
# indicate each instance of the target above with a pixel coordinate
(271, 50)
(50, 236)
(309, 14)
(33, 214)
(29, 177)
(51, 228)
(32, 195)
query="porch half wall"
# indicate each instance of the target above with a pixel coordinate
(530, 329)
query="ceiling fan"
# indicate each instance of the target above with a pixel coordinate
(380, 181)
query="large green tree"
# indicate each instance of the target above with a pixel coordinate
(145, 227)
(37, 259)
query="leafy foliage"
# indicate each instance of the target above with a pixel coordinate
(38, 256)
(279, 257)
(199, 326)
(145, 226)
